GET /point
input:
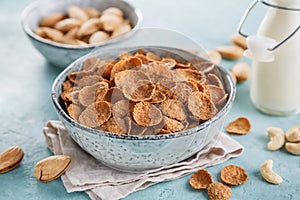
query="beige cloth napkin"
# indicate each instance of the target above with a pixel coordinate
(102, 183)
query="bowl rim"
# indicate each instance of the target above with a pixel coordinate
(34, 5)
(60, 111)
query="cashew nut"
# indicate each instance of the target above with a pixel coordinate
(268, 174)
(293, 148)
(277, 139)
(293, 134)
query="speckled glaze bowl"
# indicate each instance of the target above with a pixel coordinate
(62, 55)
(140, 153)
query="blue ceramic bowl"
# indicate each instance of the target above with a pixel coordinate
(140, 153)
(62, 55)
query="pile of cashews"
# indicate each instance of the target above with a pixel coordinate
(278, 139)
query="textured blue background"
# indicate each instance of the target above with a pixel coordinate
(25, 106)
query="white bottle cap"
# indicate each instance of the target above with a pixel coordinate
(259, 48)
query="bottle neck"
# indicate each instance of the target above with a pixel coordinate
(279, 23)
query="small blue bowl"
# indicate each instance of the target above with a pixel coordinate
(62, 55)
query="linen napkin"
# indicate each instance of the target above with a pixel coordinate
(102, 183)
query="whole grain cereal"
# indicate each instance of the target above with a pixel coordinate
(233, 175)
(201, 179)
(240, 126)
(218, 191)
(201, 106)
(174, 109)
(146, 114)
(143, 93)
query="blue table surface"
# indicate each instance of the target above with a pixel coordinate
(25, 104)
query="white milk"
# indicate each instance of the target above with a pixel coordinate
(275, 86)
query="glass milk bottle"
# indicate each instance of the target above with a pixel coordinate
(275, 50)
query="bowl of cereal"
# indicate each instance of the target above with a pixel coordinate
(141, 108)
(63, 31)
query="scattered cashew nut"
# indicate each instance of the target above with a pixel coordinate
(293, 134)
(277, 139)
(293, 148)
(268, 174)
